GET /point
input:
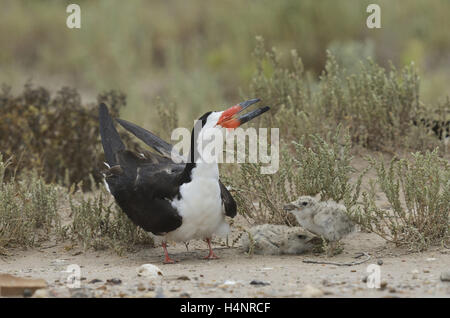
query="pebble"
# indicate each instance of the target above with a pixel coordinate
(149, 270)
(114, 281)
(259, 283)
(383, 285)
(27, 292)
(380, 262)
(95, 280)
(445, 276)
(312, 292)
(185, 295)
(184, 277)
(150, 294)
(80, 293)
(41, 293)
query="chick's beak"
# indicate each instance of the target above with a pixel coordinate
(230, 118)
(289, 207)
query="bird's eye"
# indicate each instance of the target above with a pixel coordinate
(304, 203)
(302, 237)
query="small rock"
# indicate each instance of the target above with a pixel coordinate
(141, 287)
(185, 295)
(445, 276)
(259, 283)
(426, 271)
(311, 291)
(41, 293)
(114, 281)
(160, 293)
(184, 277)
(95, 280)
(380, 262)
(383, 285)
(364, 279)
(431, 259)
(392, 290)
(27, 293)
(149, 270)
(353, 270)
(150, 294)
(80, 293)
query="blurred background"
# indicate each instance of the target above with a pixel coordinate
(198, 54)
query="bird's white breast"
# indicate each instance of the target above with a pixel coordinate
(200, 206)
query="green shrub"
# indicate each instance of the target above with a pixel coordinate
(325, 168)
(376, 105)
(320, 168)
(28, 210)
(99, 224)
(55, 136)
(418, 191)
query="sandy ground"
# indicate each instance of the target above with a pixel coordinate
(403, 274)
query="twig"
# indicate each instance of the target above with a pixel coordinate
(342, 264)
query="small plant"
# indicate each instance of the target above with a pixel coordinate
(418, 191)
(28, 210)
(325, 168)
(379, 106)
(99, 224)
(55, 136)
(322, 168)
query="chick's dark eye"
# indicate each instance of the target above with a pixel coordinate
(304, 203)
(302, 237)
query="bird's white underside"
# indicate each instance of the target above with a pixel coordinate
(201, 204)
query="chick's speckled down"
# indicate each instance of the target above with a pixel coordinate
(270, 239)
(326, 219)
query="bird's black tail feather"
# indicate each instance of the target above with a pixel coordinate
(110, 137)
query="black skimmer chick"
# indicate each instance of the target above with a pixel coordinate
(180, 201)
(271, 239)
(326, 219)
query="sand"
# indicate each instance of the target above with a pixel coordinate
(403, 274)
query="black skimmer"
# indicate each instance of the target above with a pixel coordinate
(180, 201)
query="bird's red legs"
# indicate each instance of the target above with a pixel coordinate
(167, 259)
(211, 254)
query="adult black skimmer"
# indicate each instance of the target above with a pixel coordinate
(180, 201)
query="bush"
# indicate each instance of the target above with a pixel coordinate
(418, 191)
(28, 210)
(99, 223)
(320, 168)
(379, 107)
(55, 136)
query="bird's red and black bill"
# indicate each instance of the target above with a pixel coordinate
(230, 118)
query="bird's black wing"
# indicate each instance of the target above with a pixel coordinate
(142, 186)
(165, 149)
(144, 191)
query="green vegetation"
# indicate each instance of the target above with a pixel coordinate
(30, 213)
(55, 136)
(198, 54)
(334, 86)
(28, 210)
(99, 224)
(418, 191)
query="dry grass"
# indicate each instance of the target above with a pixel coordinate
(418, 191)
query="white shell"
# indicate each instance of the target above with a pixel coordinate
(149, 270)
